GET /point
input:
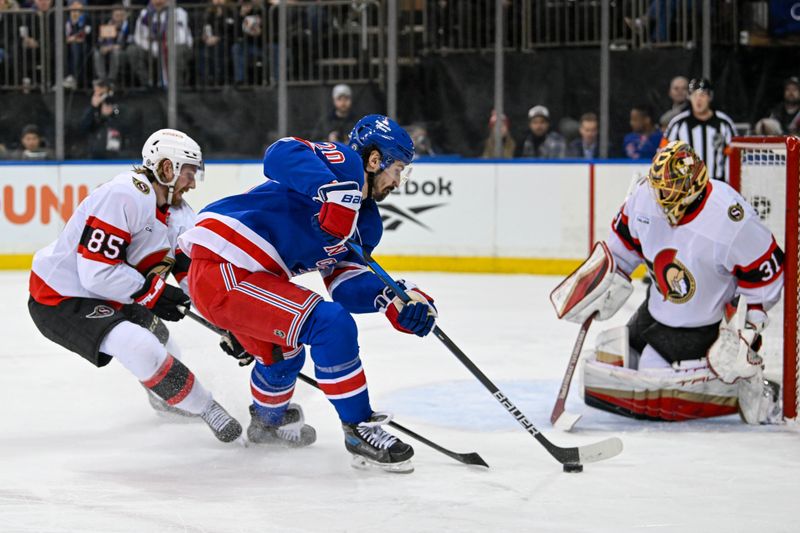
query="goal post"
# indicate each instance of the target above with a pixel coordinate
(766, 171)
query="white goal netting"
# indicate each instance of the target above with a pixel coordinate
(761, 171)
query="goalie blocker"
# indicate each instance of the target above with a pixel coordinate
(596, 286)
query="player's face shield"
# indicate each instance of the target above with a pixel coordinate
(677, 178)
(405, 174)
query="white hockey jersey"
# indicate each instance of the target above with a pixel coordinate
(115, 237)
(718, 250)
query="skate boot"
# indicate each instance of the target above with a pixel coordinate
(760, 401)
(372, 447)
(292, 432)
(224, 426)
(165, 410)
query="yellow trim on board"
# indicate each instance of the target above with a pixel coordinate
(494, 265)
(15, 261)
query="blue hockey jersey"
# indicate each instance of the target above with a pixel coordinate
(269, 228)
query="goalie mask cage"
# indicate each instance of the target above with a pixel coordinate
(766, 171)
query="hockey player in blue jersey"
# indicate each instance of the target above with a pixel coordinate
(246, 248)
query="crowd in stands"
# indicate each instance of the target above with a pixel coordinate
(692, 118)
(129, 37)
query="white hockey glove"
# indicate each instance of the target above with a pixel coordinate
(596, 286)
(732, 356)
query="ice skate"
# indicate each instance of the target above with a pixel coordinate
(292, 432)
(167, 411)
(372, 447)
(224, 426)
(760, 401)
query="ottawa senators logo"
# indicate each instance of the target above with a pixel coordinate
(101, 311)
(673, 279)
(736, 212)
(142, 186)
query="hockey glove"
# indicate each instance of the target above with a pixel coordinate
(230, 345)
(733, 355)
(161, 298)
(339, 212)
(417, 317)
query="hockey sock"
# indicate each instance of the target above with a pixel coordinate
(174, 383)
(145, 357)
(272, 387)
(333, 336)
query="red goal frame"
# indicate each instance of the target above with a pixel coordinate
(790, 326)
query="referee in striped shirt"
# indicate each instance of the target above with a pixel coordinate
(708, 131)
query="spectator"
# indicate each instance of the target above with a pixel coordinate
(150, 38)
(706, 130)
(509, 146)
(32, 145)
(248, 50)
(679, 94)
(540, 142)
(787, 113)
(335, 126)
(219, 31)
(585, 146)
(35, 56)
(76, 32)
(643, 140)
(114, 37)
(422, 141)
(105, 124)
(768, 126)
(7, 30)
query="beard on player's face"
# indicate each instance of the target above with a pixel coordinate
(387, 181)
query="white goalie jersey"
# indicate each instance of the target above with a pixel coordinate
(116, 236)
(717, 251)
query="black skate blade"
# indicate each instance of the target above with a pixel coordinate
(359, 462)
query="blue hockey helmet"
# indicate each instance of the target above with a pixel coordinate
(383, 133)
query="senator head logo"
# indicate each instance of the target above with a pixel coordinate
(674, 281)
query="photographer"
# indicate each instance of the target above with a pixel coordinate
(105, 124)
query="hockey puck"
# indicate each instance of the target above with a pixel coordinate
(573, 469)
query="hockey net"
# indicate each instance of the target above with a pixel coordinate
(766, 171)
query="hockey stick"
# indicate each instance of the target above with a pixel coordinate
(559, 418)
(470, 458)
(571, 458)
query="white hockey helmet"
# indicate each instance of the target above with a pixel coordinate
(176, 146)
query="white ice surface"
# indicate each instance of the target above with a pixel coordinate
(81, 450)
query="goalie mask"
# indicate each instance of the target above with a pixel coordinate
(176, 146)
(677, 176)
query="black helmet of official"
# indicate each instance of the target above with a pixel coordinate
(701, 84)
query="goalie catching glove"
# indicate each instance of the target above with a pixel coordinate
(733, 355)
(417, 316)
(595, 287)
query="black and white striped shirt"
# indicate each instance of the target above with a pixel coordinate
(709, 138)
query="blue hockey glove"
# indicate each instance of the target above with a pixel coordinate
(417, 317)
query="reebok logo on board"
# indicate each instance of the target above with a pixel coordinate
(394, 216)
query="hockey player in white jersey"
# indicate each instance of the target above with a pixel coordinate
(99, 290)
(690, 350)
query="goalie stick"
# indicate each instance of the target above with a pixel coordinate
(572, 458)
(470, 458)
(559, 417)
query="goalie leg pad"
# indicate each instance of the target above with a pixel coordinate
(657, 394)
(612, 347)
(595, 287)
